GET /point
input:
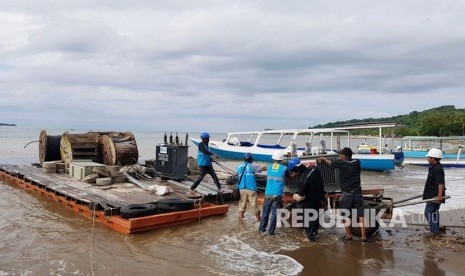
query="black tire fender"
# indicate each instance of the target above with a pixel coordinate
(138, 210)
(169, 204)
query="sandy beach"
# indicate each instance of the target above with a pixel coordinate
(392, 251)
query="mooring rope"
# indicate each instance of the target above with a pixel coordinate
(228, 170)
(92, 240)
(199, 203)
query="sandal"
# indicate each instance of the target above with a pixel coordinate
(344, 238)
(364, 240)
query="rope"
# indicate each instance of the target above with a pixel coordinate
(228, 170)
(92, 240)
(199, 203)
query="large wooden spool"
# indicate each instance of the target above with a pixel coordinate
(49, 147)
(118, 148)
(79, 146)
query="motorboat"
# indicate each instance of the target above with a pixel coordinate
(307, 144)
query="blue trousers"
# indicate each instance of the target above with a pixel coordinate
(432, 216)
(269, 206)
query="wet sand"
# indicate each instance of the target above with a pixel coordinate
(392, 251)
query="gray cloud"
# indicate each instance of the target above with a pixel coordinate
(226, 65)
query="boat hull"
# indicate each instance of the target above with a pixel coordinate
(447, 163)
(374, 162)
(422, 154)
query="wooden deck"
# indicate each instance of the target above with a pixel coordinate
(104, 201)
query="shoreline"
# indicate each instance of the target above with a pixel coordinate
(406, 251)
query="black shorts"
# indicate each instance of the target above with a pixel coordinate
(352, 202)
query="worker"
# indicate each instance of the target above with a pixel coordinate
(351, 189)
(435, 187)
(310, 194)
(276, 178)
(204, 160)
(247, 186)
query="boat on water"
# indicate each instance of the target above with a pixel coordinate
(299, 143)
(415, 149)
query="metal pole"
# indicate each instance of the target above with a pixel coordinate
(380, 142)
(418, 202)
(406, 199)
(331, 141)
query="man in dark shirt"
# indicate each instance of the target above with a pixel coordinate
(310, 194)
(349, 171)
(434, 188)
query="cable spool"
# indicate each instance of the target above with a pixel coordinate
(49, 147)
(79, 146)
(118, 148)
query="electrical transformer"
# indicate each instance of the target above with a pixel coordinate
(171, 161)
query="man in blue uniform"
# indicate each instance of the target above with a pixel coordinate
(276, 177)
(435, 186)
(247, 185)
(204, 156)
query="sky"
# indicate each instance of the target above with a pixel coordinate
(226, 65)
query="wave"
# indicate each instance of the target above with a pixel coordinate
(235, 256)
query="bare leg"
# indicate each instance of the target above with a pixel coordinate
(361, 220)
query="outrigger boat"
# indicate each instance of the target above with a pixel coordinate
(300, 142)
(415, 149)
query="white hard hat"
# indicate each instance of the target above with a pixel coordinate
(278, 155)
(435, 153)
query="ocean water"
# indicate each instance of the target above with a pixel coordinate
(41, 238)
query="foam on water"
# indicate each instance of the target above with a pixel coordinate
(236, 256)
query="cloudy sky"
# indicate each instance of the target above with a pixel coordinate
(226, 65)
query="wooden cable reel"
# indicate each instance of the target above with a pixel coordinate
(118, 148)
(79, 146)
(49, 147)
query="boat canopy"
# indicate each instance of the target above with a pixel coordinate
(432, 138)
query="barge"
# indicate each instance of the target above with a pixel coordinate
(103, 203)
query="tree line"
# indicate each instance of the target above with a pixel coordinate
(439, 121)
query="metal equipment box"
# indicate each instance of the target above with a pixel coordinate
(171, 161)
(80, 169)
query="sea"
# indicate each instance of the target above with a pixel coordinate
(40, 237)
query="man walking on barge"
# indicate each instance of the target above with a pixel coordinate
(204, 157)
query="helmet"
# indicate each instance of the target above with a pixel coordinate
(278, 156)
(204, 135)
(248, 156)
(294, 162)
(435, 153)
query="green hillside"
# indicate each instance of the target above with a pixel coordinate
(440, 121)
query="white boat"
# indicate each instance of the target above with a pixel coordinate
(415, 149)
(300, 143)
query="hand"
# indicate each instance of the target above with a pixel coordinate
(439, 199)
(297, 197)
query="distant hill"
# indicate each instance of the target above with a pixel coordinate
(2, 124)
(440, 121)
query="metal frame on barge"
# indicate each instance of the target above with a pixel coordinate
(90, 204)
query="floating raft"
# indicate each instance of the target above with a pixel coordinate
(104, 202)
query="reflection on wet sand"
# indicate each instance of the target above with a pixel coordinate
(405, 251)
